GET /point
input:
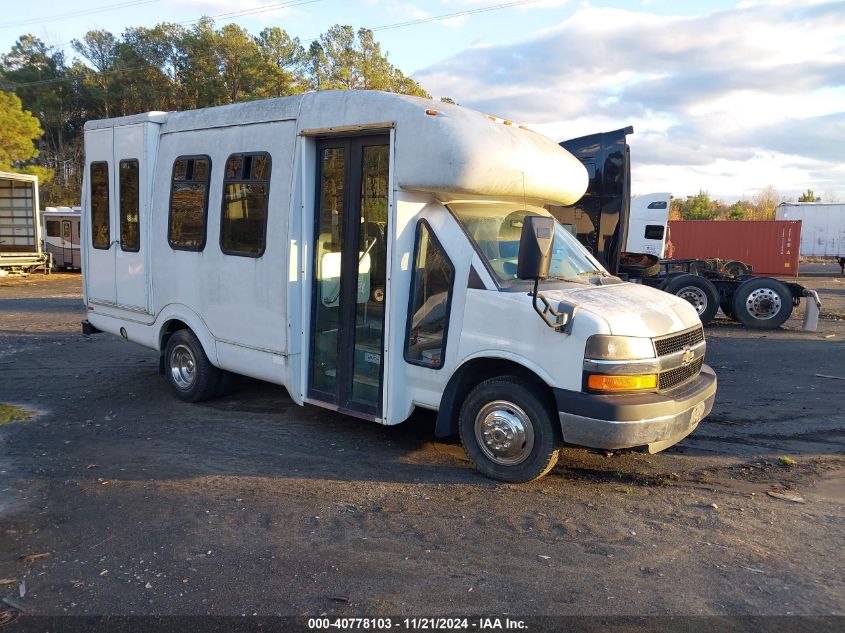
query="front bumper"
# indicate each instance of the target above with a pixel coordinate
(655, 420)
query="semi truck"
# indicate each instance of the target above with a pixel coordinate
(20, 228)
(376, 253)
(629, 237)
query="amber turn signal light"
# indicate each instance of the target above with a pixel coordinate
(600, 382)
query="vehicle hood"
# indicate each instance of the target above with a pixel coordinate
(630, 309)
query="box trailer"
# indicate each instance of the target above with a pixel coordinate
(20, 229)
(822, 227)
(375, 253)
(60, 227)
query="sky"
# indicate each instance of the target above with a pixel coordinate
(724, 96)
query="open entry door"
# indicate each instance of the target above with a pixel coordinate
(346, 363)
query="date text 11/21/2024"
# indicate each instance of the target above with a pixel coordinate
(417, 624)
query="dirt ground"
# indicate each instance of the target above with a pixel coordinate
(136, 503)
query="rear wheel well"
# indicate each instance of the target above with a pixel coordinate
(167, 330)
(473, 373)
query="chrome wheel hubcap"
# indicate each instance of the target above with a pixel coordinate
(763, 303)
(504, 432)
(183, 367)
(695, 296)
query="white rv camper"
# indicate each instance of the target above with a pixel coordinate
(374, 253)
(61, 231)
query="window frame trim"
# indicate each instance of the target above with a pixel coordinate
(120, 209)
(423, 223)
(206, 197)
(225, 182)
(108, 202)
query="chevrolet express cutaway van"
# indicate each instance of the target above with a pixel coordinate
(374, 253)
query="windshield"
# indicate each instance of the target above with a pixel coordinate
(496, 228)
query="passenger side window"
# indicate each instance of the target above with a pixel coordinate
(431, 298)
(186, 226)
(654, 232)
(100, 230)
(52, 228)
(130, 232)
(243, 221)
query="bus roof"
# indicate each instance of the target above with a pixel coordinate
(447, 150)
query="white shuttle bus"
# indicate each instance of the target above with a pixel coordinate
(374, 253)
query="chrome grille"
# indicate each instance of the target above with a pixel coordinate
(677, 342)
(674, 377)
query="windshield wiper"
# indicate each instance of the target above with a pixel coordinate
(574, 280)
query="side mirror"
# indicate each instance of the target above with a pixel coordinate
(535, 247)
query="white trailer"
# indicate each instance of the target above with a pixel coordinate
(822, 227)
(375, 253)
(20, 229)
(60, 227)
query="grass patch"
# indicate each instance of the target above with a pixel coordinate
(11, 413)
(786, 460)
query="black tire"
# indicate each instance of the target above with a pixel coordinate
(736, 269)
(509, 398)
(762, 302)
(699, 292)
(637, 265)
(191, 375)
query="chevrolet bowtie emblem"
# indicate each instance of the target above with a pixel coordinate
(688, 356)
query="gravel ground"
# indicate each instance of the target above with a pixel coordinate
(137, 503)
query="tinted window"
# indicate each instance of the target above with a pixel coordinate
(243, 222)
(431, 290)
(100, 234)
(659, 204)
(654, 232)
(130, 234)
(189, 203)
(52, 228)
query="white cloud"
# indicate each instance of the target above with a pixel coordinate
(729, 101)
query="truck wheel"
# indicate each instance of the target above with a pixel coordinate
(762, 302)
(697, 291)
(188, 370)
(508, 430)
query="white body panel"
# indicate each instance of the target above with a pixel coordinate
(253, 314)
(822, 227)
(648, 224)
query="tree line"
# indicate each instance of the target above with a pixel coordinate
(166, 67)
(761, 206)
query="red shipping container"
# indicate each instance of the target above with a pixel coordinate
(770, 246)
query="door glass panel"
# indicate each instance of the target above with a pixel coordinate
(129, 207)
(431, 288)
(328, 258)
(372, 267)
(100, 236)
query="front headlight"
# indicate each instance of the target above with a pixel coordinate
(609, 347)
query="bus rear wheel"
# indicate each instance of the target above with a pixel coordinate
(191, 375)
(509, 430)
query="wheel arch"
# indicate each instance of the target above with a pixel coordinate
(176, 317)
(474, 371)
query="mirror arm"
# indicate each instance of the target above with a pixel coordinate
(553, 318)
